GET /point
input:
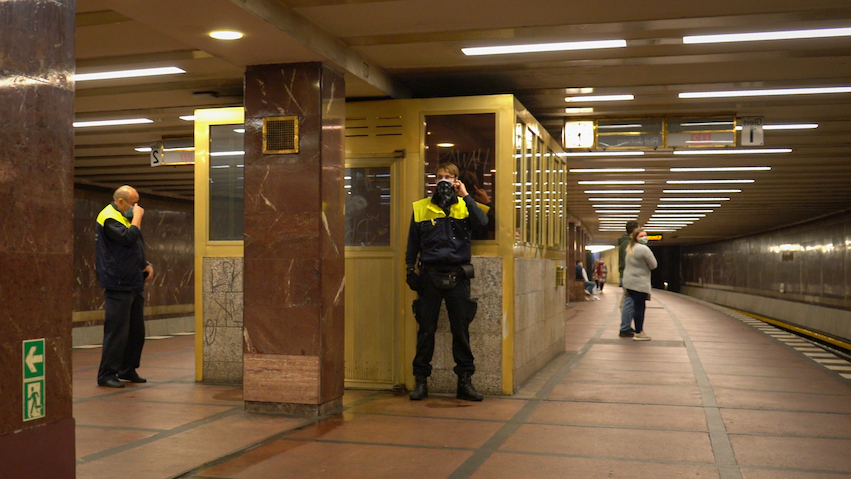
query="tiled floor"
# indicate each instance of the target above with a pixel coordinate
(715, 394)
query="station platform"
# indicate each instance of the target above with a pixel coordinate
(714, 394)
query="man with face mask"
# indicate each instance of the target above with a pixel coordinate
(123, 272)
(439, 244)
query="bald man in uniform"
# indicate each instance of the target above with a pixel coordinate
(122, 271)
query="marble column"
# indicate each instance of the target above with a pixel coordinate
(294, 243)
(36, 237)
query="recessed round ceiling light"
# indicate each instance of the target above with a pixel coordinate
(226, 35)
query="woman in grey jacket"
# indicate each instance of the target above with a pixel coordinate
(636, 278)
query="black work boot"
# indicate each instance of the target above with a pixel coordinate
(420, 389)
(466, 390)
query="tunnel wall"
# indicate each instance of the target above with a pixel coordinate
(798, 274)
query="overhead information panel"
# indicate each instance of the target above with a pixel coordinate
(701, 132)
(630, 133)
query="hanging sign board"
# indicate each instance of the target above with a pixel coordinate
(752, 131)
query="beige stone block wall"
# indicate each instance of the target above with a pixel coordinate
(539, 311)
(222, 310)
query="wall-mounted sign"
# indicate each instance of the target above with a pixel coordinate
(578, 134)
(654, 237)
(33, 378)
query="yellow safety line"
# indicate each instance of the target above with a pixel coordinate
(798, 329)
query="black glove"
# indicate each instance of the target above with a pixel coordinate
(413, 280)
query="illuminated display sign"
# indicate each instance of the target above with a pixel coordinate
(654, 237)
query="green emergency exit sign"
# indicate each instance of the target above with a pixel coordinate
(33, 378)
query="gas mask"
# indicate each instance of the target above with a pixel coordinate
(444, 195)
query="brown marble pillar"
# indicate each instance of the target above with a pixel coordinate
(294, 243)
(36, 237)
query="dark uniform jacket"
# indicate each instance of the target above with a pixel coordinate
(441, 239)
(120, 252)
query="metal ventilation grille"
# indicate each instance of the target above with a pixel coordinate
(364, 127)
(280, 135)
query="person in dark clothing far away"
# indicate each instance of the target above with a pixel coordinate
(122, 271)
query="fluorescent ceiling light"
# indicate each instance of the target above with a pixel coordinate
(694, 199)
(732, 151)
(662, 230)
(226, 35)
(707, 205)
(723, 168)
(606, 170)
(227, 153)
(618, 192)
(126, 121)
(596, 248)
(707, 123)
(543, 47)
(579, 110)
(788, 126)
(584, 98)
(621, 126)
(683, 211)
(700, 191)
(697, 182)
(604, 153)
(141, 72)
(147, 149)
(239, 130)
(615, 199)
(695, 215)
(612, 182)
(614, 206)
(446, 145)
(187, 117)
(769, 92)
(762, 36)
(618, 211)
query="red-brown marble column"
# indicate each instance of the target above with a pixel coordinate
(294, 243)
(36, 236)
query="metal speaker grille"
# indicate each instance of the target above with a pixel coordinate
(280, 135)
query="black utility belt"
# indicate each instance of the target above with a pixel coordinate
(447, 277)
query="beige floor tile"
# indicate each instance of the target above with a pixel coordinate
(513, 466)
(411, 431)
(626, 393)
(791, 452)
(787, 423)
(737, 398)
(91, 440)
(141, 414)
(300, 460)
(497, 409)
(691, 447)
(620, 415)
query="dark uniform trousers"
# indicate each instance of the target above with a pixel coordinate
(123, 333)
(461, 312)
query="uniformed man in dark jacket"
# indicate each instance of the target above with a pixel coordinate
(439, 245)
(123, 272)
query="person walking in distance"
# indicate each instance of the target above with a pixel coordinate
(636, 278)
(439, 247)
(627, 307)
(122, 271)
(601, 272)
